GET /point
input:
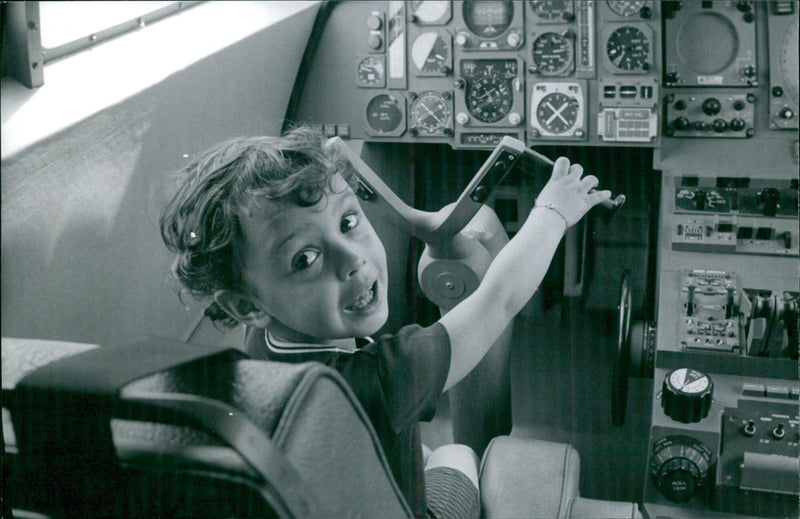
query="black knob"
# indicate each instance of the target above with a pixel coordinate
(645, 12)
(670, 7)
(699, 200)
(737, 124)
(682, 123)
(680, 104)
(738, 105)
(767, 200)
(459, 83)
(749, 71)
(720, 125)
(686, 395)
(777, 91)
(567, 16)
(672, 77)
(744, 6)
(677, 482)
(749, 17)
(711, 106)
(786, 113)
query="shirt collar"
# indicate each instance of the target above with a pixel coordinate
(283, 347)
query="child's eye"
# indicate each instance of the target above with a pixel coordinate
(349, 222)
(305, 259)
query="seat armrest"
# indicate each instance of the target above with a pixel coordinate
(582, 508)
(523, 477)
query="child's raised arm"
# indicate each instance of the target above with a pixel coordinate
(515, 274)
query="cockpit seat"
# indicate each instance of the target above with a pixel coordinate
(219, 435)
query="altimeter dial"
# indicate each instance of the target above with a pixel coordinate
(552, 54)
(628, 49)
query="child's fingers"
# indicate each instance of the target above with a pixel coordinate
(576, 170)
(598, 196)
(589, 181)
(561, 167)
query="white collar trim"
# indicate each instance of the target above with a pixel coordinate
(284, 347)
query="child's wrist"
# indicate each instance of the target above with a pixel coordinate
(552, 208)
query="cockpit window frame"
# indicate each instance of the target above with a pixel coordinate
(24, 56)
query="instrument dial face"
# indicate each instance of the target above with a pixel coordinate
(371, 72)
(549, 9)
(488, 94)
(384, 113)
(430, 54)
(628, 48)
(488, 18)
(557, 112)
(430, 113)
(552, 54)
(788, 61)
(489, 98)
(431, 11)
(688, 381)
(626, 8)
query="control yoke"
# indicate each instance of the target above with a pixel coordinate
(436, 229)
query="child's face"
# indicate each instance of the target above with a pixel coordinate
(319, 272)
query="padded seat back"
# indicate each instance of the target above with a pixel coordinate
(307, 412)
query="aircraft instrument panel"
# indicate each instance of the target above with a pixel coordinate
(604, 72)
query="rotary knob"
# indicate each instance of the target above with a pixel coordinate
(711, 106)
(679, 466)
(686, 395)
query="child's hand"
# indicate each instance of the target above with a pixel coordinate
(568, 194)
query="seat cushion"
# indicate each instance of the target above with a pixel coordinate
(306, 409)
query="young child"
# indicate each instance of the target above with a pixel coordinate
(269, 228)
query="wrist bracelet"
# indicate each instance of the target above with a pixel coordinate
(552, 208)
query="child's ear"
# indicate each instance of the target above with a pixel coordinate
(242, 308)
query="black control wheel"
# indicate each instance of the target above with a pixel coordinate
(622, 360)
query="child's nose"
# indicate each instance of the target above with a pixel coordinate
(351, 262)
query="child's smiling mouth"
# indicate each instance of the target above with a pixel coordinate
(363, 299)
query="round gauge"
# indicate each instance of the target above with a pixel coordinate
(488, 18)
(430, 54)
(552, 53)
(371, 72)
(489, 98)
(628, 48)
(557, 112)
(788, 61)
(679, 466)
(430, 112)
(384, 113)
(626, 8)
(549, 9)
(430, 11)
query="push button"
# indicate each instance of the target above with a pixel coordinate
(753, 389)
(778, 392)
